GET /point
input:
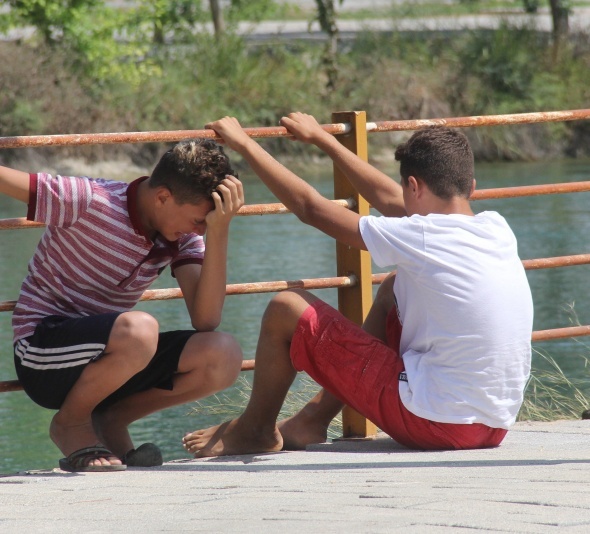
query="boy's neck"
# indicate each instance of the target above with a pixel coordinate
(145, 206)
(430, 203)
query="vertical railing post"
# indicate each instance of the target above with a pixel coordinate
(354, 302)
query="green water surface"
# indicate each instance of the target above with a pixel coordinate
(278, 247)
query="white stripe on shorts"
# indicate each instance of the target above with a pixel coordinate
(57, 358)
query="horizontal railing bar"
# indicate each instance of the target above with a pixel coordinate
(480, 120)
(238, 289)
(19, 223)
(15, 385)
(278, 208)
(560, 333)
(558, 261)
(28, 141)
(529, 265)
(324, 283)
(279, 131)
(530, 190)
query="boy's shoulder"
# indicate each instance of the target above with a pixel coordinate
(100, 182)
(80, 189)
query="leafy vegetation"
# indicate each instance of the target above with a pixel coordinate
(91, 67)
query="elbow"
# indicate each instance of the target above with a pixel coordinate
(205, 325)
(309, 211)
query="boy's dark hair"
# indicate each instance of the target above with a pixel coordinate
(442, 158)
(191, 170)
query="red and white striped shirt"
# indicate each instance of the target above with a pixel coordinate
(93, 257)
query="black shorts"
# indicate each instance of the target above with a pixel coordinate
(49, 362)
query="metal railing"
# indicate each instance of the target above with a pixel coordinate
(354, 279)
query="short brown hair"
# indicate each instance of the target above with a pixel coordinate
(192, 170)
(442, 158)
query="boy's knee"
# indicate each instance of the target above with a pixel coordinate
(385, 292)
(136, 333)
(225, 362)
(287, 305)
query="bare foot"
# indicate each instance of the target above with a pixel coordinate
(231, 438)
(70, 438)
(299, 431)
(111, 432)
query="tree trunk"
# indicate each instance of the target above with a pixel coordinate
(327, 20)
(560, 16)
(217, 16)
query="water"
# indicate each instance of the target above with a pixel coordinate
(277, 247)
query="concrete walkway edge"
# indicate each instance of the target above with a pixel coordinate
(538, 480)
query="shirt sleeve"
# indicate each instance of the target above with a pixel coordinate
(58, 200)
(392, 240)
(191, 250)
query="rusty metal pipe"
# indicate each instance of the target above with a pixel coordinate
(19, 223)
(558, 261)
(484, 120)
(247, 288)
(27, 141)
(15, 385)
(530, 190)
(325, 283)
(560, 333)
(278, 208)
(279, 131)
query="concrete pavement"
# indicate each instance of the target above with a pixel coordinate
(537, 481)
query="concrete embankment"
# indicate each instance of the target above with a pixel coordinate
(537, 481)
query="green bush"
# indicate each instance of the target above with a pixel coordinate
(390, 75)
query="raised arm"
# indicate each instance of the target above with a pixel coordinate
(203, 287)
(14, 183)
(297, 195)
(382, 192)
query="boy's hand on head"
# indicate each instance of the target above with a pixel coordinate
(304, 127)
(230, 131)
(228, 199)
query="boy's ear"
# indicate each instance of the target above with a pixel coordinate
(162, 195)
(414, 184)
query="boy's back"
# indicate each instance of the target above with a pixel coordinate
(466, 311)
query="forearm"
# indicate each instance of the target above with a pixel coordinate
(14, 183)
(302, 199)
(209, 295)
(289, 188)
(381, 191)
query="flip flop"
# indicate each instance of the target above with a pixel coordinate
(77, 462)
(146, 455)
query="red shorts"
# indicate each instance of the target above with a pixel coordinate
(364, 373)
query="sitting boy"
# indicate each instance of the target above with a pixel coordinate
(79, 347)
(444, 356)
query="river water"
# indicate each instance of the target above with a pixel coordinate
(278, 247)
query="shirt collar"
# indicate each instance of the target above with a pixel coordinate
(132, 191)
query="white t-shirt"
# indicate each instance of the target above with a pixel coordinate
(466, 310)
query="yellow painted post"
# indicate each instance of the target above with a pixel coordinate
(354, 302)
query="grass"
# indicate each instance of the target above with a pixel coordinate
(550, 395)
(388, 74)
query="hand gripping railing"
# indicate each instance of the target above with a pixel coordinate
(354, 279)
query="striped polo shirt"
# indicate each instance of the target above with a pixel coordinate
(93, 256)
